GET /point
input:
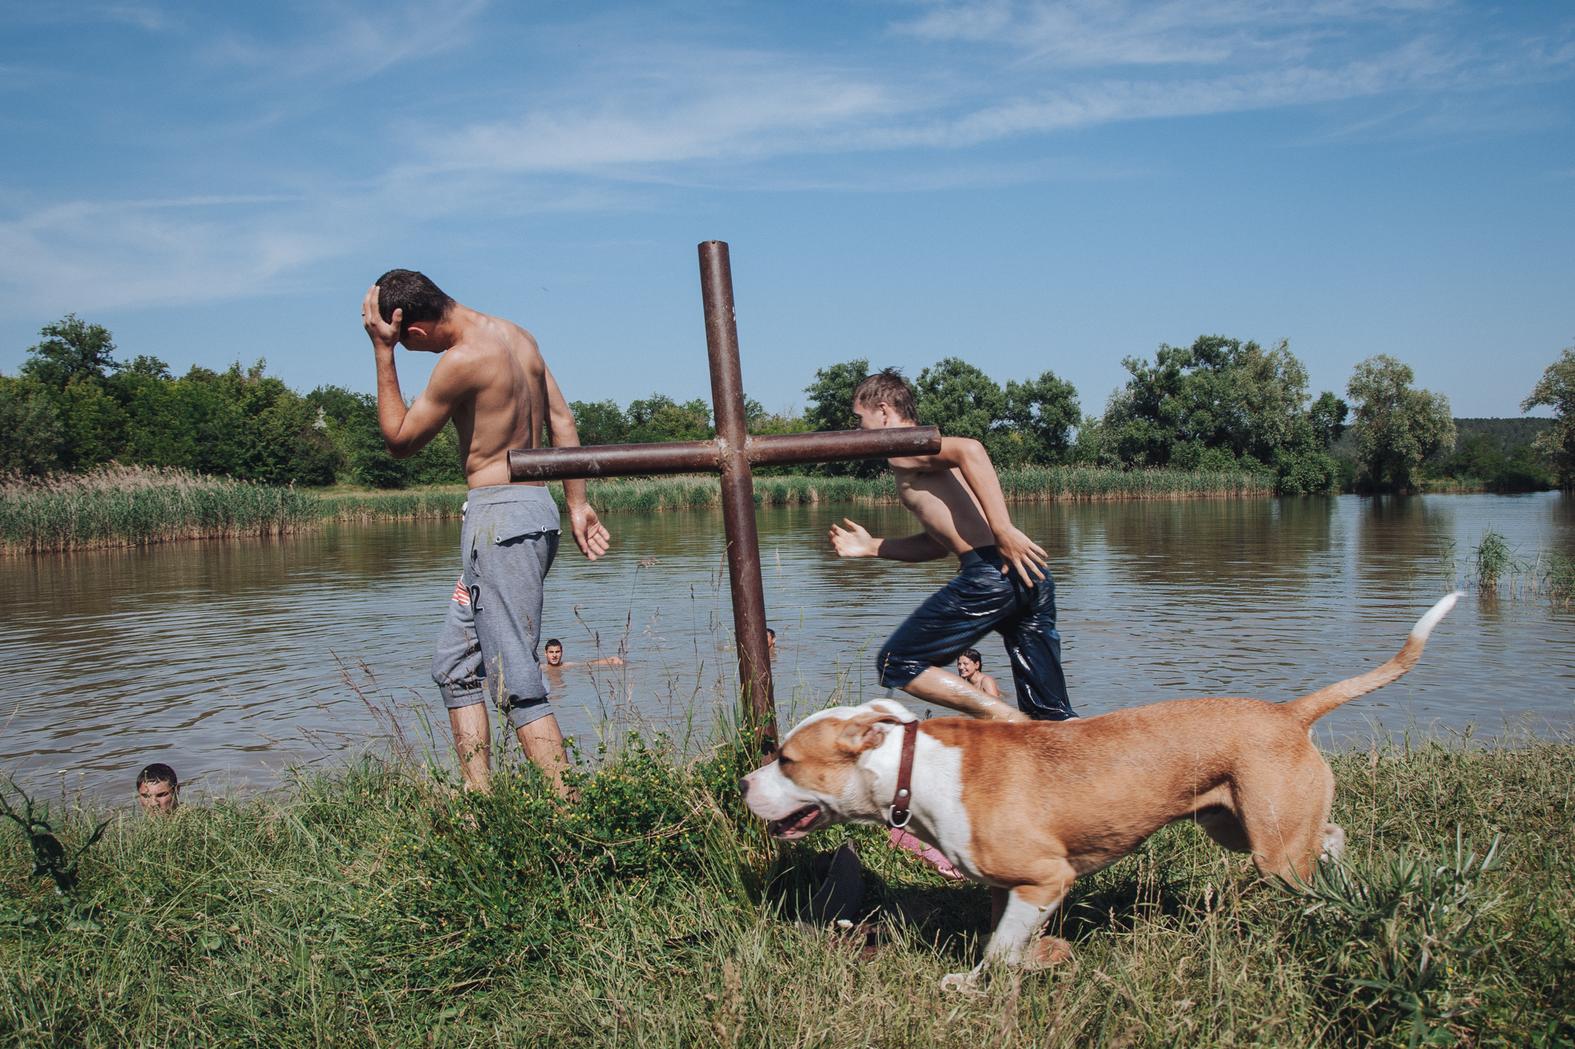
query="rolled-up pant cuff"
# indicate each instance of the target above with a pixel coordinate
(899, 673)
(456, 696)
(522, 712)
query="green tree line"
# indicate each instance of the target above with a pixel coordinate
(1219, 403)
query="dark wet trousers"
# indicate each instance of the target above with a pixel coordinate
(980, 599)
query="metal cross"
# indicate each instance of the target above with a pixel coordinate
(731, 454)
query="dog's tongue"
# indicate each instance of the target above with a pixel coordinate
(794, 826)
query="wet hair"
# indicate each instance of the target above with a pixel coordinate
(770, 633)
(412, 292)
(973, 654)
(887, 385)
(158, 772)
(552, 642)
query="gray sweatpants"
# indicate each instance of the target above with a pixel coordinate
(488, 646)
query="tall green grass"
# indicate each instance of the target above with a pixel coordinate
(378, 907)
(117, 506)
(1020, 485)
(133, 506)
(1492, 560)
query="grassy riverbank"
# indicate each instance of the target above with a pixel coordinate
(374, 908)
(123, 506)
(137, 506)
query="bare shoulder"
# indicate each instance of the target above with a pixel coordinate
(519, 339)
(463, 364)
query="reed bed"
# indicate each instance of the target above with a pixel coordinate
(134, 506)
(1025, 484)
(393, 505)
(377, 906)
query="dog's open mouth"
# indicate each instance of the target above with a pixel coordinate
(795, 824)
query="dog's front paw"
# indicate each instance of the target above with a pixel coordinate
(970, 983)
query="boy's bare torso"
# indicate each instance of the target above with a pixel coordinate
(943, 503)
(506, 405)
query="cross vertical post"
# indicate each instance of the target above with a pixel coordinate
(738, 490)
(732, 454)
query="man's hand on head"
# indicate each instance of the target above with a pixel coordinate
(590, 535)
(1020, 553)
(384, 334)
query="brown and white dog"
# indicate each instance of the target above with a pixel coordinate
(1028, 806)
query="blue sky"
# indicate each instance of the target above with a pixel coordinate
(1029, 186)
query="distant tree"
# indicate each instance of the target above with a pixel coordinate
(1223, 403)
(830, 396)
(31, 436)
(1039, 415)
(145, 367)
(1556, 390)
(764, 422)
(212, 422)
(959, 398)
(829, 406)
(1327, 417)
(70, 350)
(1396, 427)
(600, 422)
(94, 424)
(1092, 446)
(158, 431)
(660, 418)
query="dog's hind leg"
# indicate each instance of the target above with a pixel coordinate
(1287, 820)
(1221, 824)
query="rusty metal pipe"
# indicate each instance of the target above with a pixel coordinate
(779, 448)
(738, 492)
(612, 460)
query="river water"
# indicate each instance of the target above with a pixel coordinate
(237, 661)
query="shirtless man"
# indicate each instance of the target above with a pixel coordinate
(492, 382)
(553, 650)
(1001, 584)
(970, 667)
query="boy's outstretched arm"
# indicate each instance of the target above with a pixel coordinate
(855, 541)
(1017, 550)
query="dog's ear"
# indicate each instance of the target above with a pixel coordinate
(863, 732)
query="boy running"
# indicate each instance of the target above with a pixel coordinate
(1001, 583)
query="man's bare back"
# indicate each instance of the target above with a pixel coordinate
(491, 380)
(509, 406)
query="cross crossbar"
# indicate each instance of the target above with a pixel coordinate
(730, 454)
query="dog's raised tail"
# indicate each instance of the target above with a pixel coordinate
(1314, 705)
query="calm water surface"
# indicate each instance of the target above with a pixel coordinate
(236, 661)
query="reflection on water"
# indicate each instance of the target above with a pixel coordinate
(235, 660)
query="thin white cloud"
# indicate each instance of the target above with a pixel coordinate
(95, 255)
(676, 107)
(1114, 100)
(626, 117)
(1089, 33)
(146, 17)
(335, 42)
(655, 111)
